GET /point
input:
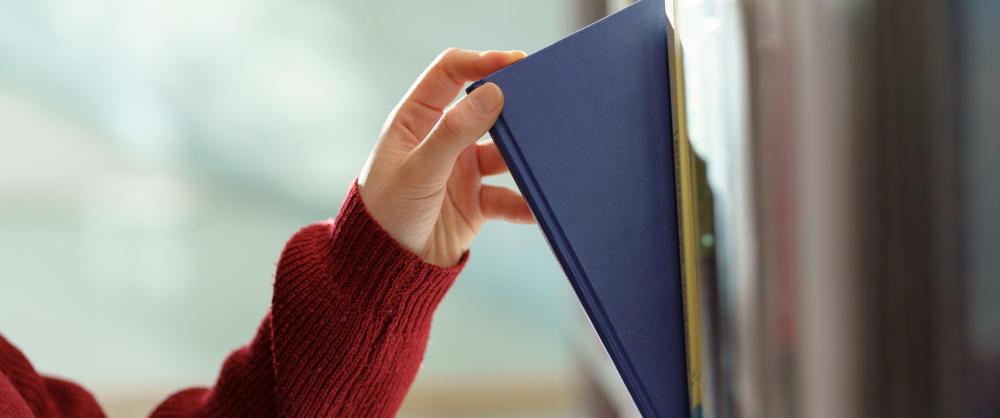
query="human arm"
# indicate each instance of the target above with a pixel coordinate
(353, 298)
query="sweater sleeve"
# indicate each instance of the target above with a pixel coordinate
(345, 336)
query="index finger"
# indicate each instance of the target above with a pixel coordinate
(446, 76)
(440, 83)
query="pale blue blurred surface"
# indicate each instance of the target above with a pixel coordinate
(155, 155)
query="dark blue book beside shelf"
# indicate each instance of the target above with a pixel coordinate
(587, 133)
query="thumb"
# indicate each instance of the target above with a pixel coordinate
(459, 128)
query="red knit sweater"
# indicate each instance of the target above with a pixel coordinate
(345, 335)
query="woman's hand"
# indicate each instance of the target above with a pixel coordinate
(423, 180)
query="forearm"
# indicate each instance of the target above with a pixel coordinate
(349, 322)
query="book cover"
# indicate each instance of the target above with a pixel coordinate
(587, 132)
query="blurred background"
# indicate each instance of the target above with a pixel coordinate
(155, 155)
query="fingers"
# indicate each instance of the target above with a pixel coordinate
(504, 204)
(491, 162)
(460, 127)
(443, 80)
(440, 82)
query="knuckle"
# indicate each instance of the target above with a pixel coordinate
(448, 58)
(453, 123)
(449, 52)
(405, 123)
(445, 56)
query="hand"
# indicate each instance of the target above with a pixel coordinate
(423, 180)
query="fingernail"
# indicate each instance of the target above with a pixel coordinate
(486, 98)
(519, 53)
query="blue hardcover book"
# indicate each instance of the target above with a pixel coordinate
(587, 132)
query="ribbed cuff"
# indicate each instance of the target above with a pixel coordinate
(383, 270)
(354, 258)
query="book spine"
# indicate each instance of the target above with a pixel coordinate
(687, 224)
